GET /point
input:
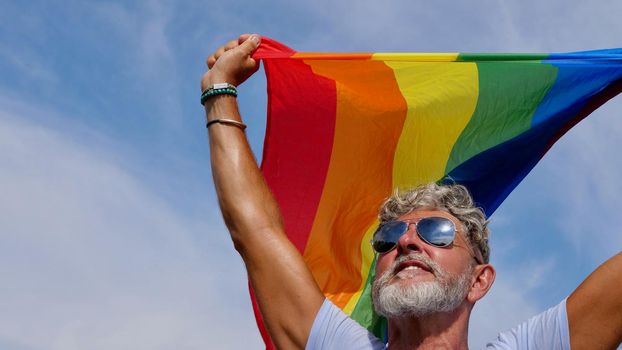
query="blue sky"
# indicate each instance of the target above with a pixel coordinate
(110, 234)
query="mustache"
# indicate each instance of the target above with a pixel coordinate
(435, 268)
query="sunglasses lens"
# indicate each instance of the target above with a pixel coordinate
(387, 235)
(437, 231)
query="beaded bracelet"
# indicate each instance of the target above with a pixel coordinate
(218, 89)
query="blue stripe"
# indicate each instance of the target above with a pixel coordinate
(494, 173)
(576, 83)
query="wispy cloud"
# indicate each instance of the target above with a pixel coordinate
(505, 306)
(149, 52)
(414, 26)
(92, 258)
(511, 299)
(28, 65)
(586, 170)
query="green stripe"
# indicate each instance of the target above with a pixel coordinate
(509, 93)
(364, 313)
(472, 57)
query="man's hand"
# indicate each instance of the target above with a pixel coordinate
(232, 63)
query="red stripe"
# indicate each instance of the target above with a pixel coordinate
(259, 319)
(272, 49)
(298, 145)
(297, 149)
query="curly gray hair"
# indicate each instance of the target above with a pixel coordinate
(453, 198)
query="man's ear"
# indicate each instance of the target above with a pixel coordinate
(483, 278)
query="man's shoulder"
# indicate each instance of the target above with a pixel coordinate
(333, 329)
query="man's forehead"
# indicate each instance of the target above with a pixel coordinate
(428, 212)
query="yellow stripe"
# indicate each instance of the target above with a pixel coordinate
(426, 88)
(367, 255)
(415, 57)
(441, 98)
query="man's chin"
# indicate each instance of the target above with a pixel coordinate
(403, 298)
(417, 295)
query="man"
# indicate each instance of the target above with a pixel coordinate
(432, 254)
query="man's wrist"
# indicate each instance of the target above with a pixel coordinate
(210, 78)
(222, 105)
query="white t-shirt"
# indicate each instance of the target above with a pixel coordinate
(333, 329)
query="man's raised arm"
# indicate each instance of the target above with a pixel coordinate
(595, 308)
(286, 292)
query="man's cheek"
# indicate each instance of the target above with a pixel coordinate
(383, 263)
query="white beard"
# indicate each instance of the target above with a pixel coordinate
(444, 294)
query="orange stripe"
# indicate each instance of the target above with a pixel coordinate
(369, 119)
(331, 56)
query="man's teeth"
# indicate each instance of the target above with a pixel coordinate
(412, 268)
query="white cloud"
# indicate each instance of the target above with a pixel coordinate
(150, 61)
(484, 26)
(521, 274)
(510, 301)
(27, 65)
(585, 169)
(506, 305)
(560, 26)
(91, 258)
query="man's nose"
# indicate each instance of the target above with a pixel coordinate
(410, 241)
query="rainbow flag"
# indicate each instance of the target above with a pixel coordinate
(345, 129)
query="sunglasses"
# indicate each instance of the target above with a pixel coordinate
(435, 230)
